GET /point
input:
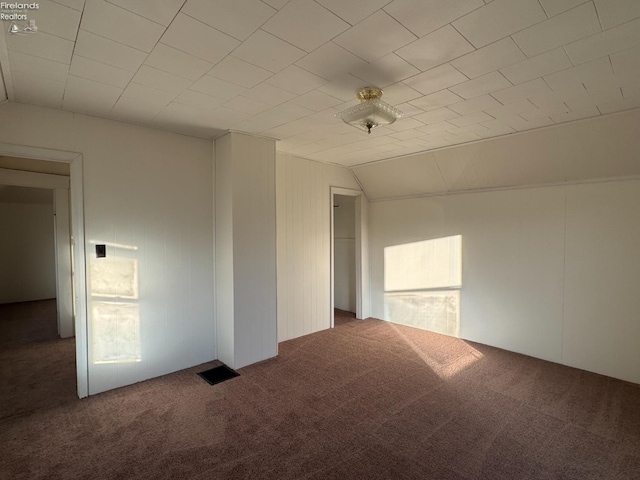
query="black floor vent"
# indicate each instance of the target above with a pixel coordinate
(218, 374)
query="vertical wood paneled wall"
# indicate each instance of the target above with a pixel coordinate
(303, 242)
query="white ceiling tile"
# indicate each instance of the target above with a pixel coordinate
(499, 19)
(425, 16)
(497, 127)
(389, 36)
(538, 66)
(555, 7)
(305, 24)
(37, 90)
(239, 18)
(344, 88)
(225, 118)
(548, 100)
(615, 12)
(405, 124)
(297, 80)
(619, 105)
(168, 59)
(56, 19)
(290, 111)
(631, 92)
(268, 52)
(596, 71)
(610, 41)
(316, 101)
(399, 93)
(108, 51)
(198, 100)
(353, 11)
(88, 96)
(277, 4)
(241, 73)
(131, 110)
(436, 128)
(270, 94)
(159, 11)
(75, 4)
(557, 31)
(99, 72)
(479, 86)
(523, 91)
(596, 100)
(520, 124)
(436, 116)
(385, 71)
(259, 123)
(471, 119)
(146, 94)
(331, 61)
(196, 38)
(472, 128)
(517, 108)
(436, 79)
(167, 82)
(548, 111)
(246, 105)
(42, 45)
(28, 65)
(487, 59)
(477, 104)
(110, 21)
(439, 99)
(436, 48)
(293, 128)
(576, 115)
(405, 135)
(626, 65)
(217, 88)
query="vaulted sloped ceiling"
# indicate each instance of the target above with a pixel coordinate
(461, 70)
(593, 149)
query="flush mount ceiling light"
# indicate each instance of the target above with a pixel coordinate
(371, 112)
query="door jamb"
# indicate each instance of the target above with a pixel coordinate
(362, 249)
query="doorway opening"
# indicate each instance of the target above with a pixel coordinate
(61, 174)
(349, 254)
(344, 256)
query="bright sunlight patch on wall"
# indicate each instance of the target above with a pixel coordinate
(115, 312)
(422, 282)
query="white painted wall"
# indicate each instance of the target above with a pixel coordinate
(344, 254)
(27, 252)
(246, 249)
(225, 317)
(303, 205)
(151, 190)
(549, 272)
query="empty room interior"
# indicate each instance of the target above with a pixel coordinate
(411, 227)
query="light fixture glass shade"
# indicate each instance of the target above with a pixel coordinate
(371, 112)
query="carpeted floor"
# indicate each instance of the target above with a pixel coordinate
(365, 400)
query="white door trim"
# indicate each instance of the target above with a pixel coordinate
(363, 307)
(74, 160)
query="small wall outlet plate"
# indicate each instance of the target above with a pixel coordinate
(101, 251)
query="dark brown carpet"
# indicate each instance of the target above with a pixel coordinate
(366, 400)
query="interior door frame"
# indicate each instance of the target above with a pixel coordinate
(363, 297)
(74, 160)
